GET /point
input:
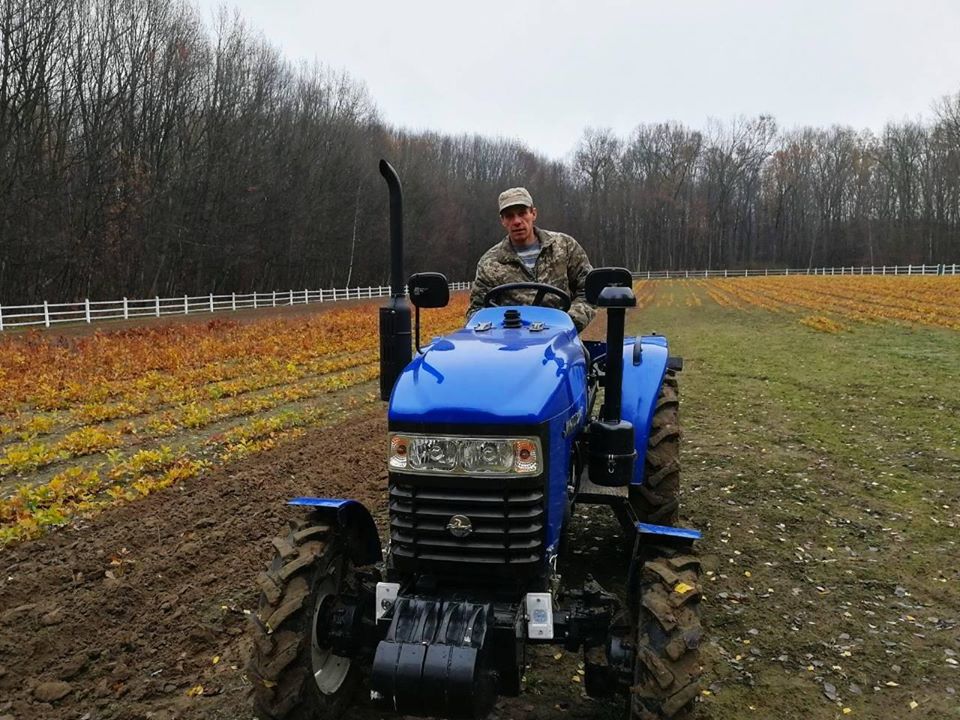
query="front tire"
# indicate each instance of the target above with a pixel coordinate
(667, 665)
(293, 677)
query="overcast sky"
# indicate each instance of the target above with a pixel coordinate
(543, 70)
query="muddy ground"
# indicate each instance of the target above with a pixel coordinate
(122, 615)
(825, 472)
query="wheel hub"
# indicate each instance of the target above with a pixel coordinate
(329, 669)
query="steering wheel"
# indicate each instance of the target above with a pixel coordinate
(493, 296)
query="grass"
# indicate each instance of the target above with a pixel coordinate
(824, 468)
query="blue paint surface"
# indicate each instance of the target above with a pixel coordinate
(499, 376)
(335, 503)
(516, 376)
(641, 385)
(684, 533)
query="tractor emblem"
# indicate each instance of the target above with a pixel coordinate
(460, 526)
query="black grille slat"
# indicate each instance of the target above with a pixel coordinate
(507, 523)
(480, 530)
(516, 497)
(496, 559)
(467, 544)
(448, 509)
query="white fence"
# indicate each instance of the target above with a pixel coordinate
(941, 269)
(88, 311)
(47, 314)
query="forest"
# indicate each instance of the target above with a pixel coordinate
(147, 151)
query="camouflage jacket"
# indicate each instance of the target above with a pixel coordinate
(562, 263)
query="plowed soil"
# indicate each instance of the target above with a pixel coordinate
(124, 615)
(131, 609)
(140, 611)
(823, 470)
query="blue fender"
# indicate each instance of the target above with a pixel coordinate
(653, 533)
(644, 365)
(354, 523)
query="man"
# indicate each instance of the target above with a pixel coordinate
(530, 254)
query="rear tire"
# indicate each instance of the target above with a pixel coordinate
(293, 678)
(667, 666)
(657, 500)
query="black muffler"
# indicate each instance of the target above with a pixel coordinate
(395, 333)
(612, 453)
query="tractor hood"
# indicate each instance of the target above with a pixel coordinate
(497, 375)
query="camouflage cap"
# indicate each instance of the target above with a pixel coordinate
(515, 196)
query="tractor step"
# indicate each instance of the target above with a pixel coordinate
(600, 494)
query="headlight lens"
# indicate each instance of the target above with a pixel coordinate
(451, 455)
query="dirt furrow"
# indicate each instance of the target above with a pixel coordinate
(123, 615)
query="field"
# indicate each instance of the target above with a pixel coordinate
(821, 459)
(93, 420)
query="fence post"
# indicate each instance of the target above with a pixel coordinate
(291, 298)
(158, 306)
(86, 309)
(306, 296)
(274, 298)
(1, 318)
(126, 310)
(254, 299)
(46, 313)
(910, 269)
(211, 302)
(233, 300)
(186, 305)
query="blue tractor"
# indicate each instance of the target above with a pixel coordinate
(495, 433)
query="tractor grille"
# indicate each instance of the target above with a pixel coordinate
(507, 525)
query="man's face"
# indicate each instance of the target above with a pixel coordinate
(518, 220)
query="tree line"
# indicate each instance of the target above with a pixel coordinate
(144, 152)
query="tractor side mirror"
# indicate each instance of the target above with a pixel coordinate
(428, 290)
(600, 278)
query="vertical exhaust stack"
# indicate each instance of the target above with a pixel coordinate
(611, 450)
(395, 335)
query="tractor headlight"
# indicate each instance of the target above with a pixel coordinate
(451, 455)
